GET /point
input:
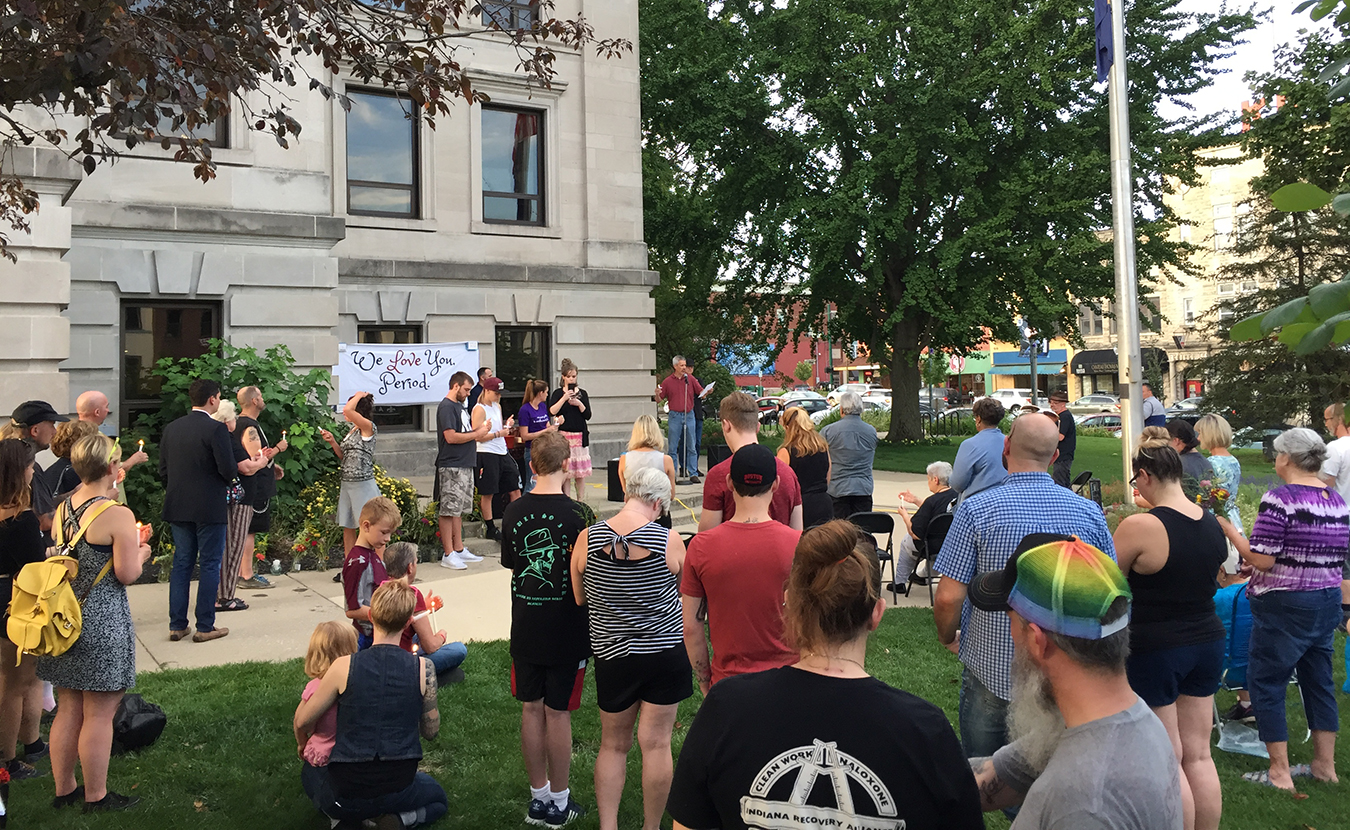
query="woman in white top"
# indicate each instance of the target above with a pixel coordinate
(647, 448)
(497, 471)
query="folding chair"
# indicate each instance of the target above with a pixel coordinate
(879, 524)
(928, 549)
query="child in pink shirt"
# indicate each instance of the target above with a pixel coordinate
(329, 641)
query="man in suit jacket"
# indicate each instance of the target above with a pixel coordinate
(197, 464)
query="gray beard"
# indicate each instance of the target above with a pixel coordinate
(1034, 720)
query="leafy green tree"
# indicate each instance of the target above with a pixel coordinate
(933, 168)
(805, 371)
(1297, 257)
(127, 72)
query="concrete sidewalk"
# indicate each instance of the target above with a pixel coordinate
(279, 621)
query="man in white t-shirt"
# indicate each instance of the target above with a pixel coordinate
(1336, 472)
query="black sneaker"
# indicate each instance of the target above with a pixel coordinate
(19, 771)
(36, 751)
(695, 480)
(70, 799)
(1241, 713)
(557, 817)
(538, 812)
(490, 532)
(111, 802)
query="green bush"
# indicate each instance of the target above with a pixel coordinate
(297, 404)
(710, 372)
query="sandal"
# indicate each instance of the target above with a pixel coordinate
(235, 604)
(1262, 778)
(1301, 771)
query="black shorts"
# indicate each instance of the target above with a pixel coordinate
(559, 686)
(662, 679)
(1160, 677)
(496, 474)
(262, 516)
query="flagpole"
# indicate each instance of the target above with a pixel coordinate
(1122, 215)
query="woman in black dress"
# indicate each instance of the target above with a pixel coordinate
(809, 457)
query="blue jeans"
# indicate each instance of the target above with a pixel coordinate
(528, 474)
(195, 544)
(446, 657)
(423, 794)
(681, 442)
(983, 716)
(1292, 632)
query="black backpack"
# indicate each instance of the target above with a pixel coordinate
(137, 724)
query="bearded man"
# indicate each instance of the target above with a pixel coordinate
(1086, 751)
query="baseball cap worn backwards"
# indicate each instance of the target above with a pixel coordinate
(1060, 583)
(754, 466)
(493, 384)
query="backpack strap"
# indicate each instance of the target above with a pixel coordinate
(107, 566)
(85, 522)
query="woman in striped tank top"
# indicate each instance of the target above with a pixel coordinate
(629, 581)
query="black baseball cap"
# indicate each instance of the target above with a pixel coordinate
(754, 466)
(30, 413)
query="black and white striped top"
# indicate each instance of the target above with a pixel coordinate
(634, 603)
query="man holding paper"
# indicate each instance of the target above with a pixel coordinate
(682, 391)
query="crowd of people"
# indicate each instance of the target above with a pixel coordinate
(1089, 659)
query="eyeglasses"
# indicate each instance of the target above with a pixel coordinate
(1133, 479)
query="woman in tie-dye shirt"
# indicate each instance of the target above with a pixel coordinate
(1298, 546)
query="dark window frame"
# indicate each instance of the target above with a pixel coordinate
(515, 387)
(543, 173)
(126, 404)
(416, 410)
(520, 14)
(414, 189)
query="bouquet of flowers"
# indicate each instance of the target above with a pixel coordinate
(1212, 497)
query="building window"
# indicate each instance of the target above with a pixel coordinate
(1223, 227)
(523, 352)
(393, 418)
(382, 169)
(1150, 319)
(1091, 322)
(1227, 289)
(153, 331)
(1188, 310)
(508, 15)
(513, 160)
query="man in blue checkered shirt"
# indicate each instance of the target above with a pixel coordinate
(986, 531)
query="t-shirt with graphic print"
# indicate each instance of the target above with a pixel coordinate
(362, 573)
(547, 626)
(764, 752)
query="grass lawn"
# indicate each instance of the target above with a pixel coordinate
(1100, 455)
(227, 758)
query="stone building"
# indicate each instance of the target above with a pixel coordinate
(517, 224)
(1173, 312)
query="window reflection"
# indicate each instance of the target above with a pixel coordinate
(512, 166)
(381, 155)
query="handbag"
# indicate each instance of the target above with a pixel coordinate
(234, 492)
(137, 724)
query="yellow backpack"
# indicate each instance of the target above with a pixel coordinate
(44, 614)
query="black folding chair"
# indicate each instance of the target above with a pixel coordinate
(928, 548)
(880, 524)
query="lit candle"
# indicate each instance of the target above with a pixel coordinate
(140, 445)
(283, 435)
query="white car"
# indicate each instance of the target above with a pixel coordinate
(868, 405)
(860, 388)
(800, 395)
(1187, 404)
(881, 396)
(1100, 420)
(1012, 399)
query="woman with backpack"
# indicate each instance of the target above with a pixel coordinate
(20, 543)
(92, 675)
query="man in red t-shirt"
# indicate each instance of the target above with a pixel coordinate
(741, 569)
(740, 426)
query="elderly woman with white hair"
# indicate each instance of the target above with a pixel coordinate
(629, 579)
(1297, 546)
(939, 485)
(240, 512)
(853, 447)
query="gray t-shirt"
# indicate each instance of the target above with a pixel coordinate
(1116, 773)
(453, 416)
(853, 446)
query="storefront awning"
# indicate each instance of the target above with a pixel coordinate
(1107, 362)
(1052, 369)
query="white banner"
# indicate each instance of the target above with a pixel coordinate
(402, 374)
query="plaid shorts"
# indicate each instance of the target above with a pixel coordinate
(454, 489)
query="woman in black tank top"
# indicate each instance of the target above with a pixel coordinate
(1171, 556)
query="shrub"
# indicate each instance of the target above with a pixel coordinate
(319, 534)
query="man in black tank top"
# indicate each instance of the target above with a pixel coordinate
(264, 483)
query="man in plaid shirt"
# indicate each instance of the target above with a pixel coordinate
(986, 531)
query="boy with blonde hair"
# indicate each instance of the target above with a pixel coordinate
(363, 568)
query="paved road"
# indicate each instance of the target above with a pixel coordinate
(477, 601)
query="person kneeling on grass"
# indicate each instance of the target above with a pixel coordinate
(385, 698)
(400, 562)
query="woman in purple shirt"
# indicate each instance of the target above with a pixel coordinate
(533, 421)
(1298, 545)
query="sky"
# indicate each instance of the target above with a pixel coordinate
(1257, 54)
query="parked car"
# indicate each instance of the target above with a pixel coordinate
(769, 409)
(881, 396)
(938, 398)
(1100, 420)
(800, 395)
(1089, 404)
(860, 388)
(1012, 399)
(1191, 404)
(811, 405)
(817, 417)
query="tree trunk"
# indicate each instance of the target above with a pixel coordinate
(905, 422)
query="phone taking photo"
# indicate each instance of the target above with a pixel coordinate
(571, 387)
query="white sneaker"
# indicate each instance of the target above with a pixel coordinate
(922, 569)
(466, 556)
(453, 562)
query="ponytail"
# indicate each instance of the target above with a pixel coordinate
(833, 587)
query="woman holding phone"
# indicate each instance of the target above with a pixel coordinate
(571, 403)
